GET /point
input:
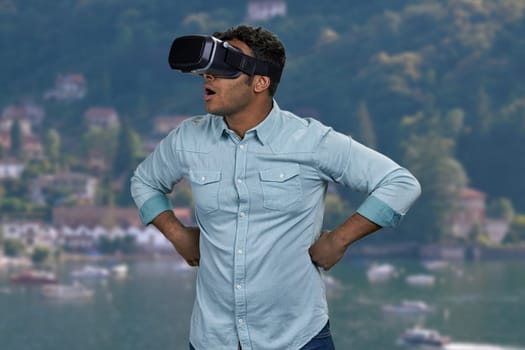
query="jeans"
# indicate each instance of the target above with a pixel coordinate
(322, 341)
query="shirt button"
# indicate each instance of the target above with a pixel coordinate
(239, 251)
(242, 214)
(241, 146)
(239, 181)
(203, 178)
(238, 286)
(281, 175)
(241, 320)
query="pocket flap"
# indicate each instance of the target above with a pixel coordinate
(280, 174)
(204, 177)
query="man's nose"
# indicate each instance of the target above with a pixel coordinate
(208, 76)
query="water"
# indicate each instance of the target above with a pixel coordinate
(480, 305)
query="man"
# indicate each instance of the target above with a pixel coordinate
(259, 176)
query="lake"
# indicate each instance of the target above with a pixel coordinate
(479, 305)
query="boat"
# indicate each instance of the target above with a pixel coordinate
(120, 271)
(434, 265)
(424, 337)
(75, 291)
(408, 307)
(33, 277)
(421, 280)
(90, 271)
(381, 272)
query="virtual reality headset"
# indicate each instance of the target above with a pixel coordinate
(205, 54)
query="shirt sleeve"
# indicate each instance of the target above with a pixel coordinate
(154, 178)
(391, 189)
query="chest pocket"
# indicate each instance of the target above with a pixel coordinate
(205, 189)
(281, 187)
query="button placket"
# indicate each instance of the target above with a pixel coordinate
(240, 241)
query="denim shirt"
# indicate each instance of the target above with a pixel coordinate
(259, 204)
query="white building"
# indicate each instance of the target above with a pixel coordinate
(265, 10)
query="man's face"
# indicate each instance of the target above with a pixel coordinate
(228, 97)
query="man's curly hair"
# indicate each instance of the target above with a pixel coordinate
(264, 44)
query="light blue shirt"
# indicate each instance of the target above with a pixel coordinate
(259, 203)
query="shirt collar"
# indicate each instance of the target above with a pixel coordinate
(264, 130)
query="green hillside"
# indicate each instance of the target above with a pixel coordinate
(435, 84)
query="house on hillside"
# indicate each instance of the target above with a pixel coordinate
(164, 124)
(33, 147)
(469, 216)
(5, 140)
(6, 124)
(31, 233)
(101, 117)
(11, 169)
(265, 10)
(469, 212)
(64, 187)
(68, 87)
(26, 110)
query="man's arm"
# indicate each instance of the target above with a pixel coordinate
(391, 191)
(185, 239)
(331, 246)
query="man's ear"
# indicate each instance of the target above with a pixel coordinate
(261, 83)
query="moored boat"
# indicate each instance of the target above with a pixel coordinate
(408, 307)
(74, 291)
(90, 271)
(424, 337)
(34, 277)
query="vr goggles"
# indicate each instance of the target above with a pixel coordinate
(204, 54)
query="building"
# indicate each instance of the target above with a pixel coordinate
(101, 117)
(258, 11)
(11, 169)
(469, 212)
(164, 124)
(26, 110)
(68, 87)
(75, 188)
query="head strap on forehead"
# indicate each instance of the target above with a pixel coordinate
(252, 66)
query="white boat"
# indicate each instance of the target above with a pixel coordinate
(434, 265)
(408, 307)
(74, 291)
(421, 280)
(90, 271)
(380, 272)
(423, 337)
(120, 271)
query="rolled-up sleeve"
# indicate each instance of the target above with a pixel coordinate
(154, 178)
(391, 188)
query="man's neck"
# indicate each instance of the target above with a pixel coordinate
(249, 118)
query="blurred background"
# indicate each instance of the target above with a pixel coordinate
(86, 93)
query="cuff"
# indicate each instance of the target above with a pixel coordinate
(378, 212)
(153, 207)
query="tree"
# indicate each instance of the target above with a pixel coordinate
(13, 247)
(128, 150)
(52, 145)
(500, 208)
(40, 255)
(17, 146)
(337, 211)
(428, 153)
(517, 230)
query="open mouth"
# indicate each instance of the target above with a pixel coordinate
(209, 92)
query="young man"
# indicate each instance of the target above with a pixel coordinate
(259, 176)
